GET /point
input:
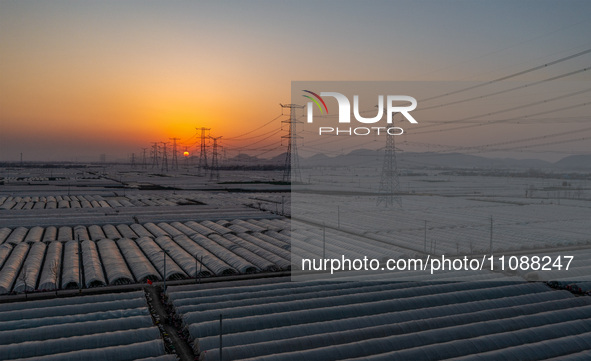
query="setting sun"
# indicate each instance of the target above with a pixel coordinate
(186, 154)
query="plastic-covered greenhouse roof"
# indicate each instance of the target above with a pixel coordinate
(98, 255)
(101, 327)
(316, 320)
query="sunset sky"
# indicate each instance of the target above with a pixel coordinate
(83, 78)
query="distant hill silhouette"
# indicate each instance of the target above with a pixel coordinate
(410, 160)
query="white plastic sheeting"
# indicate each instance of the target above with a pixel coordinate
(236, 228)
(179, 255)
(81, 317)
(402, 296)
(274, 238)
(202, 230)
(246, 253)
(111, 232)
(112, 353)
(115, 266)
(243, 298)
(230, 244)
(569, 348)
(369, 321)
(81, 233)
(339, 331)
(254, 243)
(211, 263)
(17, 235)
(11, 267)
(184, 229)
(71, 266)
(262, 292)
(126, 231)
(69, 301)
(368, 341)
(249, 225)
(265, 224)
(74, 343)
(35, 234)
(50, 234)
(157, 255)
(521, 339)
(91, 265)
(140, 230)
(65, 234)
(237, 262)
(52, 266)
(169, 229)
(29, 273)
(72, 309)
(5, 250)
(327, 313)
(73, 329)
(284, 235)
(216, 227)
(96, 232)
(140, 266)
(8, 204)
(4, 232)
(155, 230)
(114, 203)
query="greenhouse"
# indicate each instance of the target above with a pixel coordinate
(117, 326)
(383, 320)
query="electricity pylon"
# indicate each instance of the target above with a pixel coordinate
(389, 183)
(175, 160)
(164, 158)
(215, 167)
(144, 160)
(155, 155)
(203, 148)
(291, 171)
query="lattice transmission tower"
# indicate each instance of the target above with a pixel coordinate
(175, 159)
(164, 158)
(389, 183)
(215, 166)
(203, 150)
(291, 171)
(154, 152)
(144, 160)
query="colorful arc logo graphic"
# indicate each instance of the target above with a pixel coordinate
(316, 101)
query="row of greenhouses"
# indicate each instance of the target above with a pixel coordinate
(96, 256)
(133, 231)
(115, 327)
(403, 320)
(93, 201)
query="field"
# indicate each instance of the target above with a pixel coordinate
(199, 248)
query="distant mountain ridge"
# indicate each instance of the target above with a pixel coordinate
(410, 160)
